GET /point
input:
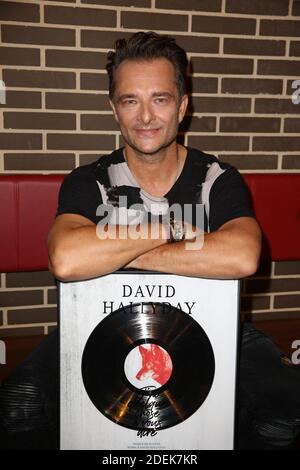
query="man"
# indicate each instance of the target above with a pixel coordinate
(148, 95)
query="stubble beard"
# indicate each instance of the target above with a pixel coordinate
(150, 154)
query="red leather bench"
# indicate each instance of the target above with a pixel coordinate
(28, 204)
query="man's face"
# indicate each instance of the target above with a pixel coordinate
(147, 104)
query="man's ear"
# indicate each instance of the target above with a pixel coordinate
(183, 107)
(114, 110)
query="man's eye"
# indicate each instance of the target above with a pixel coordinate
(129, 102)
(161, 100)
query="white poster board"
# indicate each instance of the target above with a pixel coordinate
(91, 316)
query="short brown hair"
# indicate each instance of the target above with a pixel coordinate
(148, 46)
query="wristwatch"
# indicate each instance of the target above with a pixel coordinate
(177, 232)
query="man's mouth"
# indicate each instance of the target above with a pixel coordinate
(147, 132)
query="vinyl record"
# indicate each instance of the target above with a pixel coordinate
(148, 366)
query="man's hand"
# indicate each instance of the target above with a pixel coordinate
(231, 252)
(76, 252)
(193, 240)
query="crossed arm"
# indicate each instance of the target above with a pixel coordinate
(231, 252)
(76, 252)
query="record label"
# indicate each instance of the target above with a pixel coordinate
(148, 368)
(148, 365)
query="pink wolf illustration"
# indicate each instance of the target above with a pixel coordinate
(156, 364)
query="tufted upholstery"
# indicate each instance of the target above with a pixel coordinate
(28, 204)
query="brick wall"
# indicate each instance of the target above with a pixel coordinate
(244, 57)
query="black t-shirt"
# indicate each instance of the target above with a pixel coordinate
(204, 180)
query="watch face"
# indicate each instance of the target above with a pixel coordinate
(178, 232)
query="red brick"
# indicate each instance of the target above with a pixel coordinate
(121, 3)
(198, 43)
(22, 99)
(30, 279)
(204, 5)
(93, 81)
(287, 267)
(252, 86)
(292, 125)
(275, 28)
(278, 67)
(52, 296)
(32, 315)
(223, 25)
(80, 16)
(272, 285)
(38, 35)
(254, 47)
(249, 124)
(296, 8)
(24, 297)
(154, 21)
(292, 86)
(251, 162)
(276, 106)
(198, 124)
(39, 161)
(221, 65)
(218, 142)
(23, 331)
(39, 79)
(98, 122)
(276, 143)
(258, 302)
(287, 301)
(204, 84)
(15, 120)
(295, 49)
(16, 11)
(216, 104)
(102, 39)
(291, 162)
(81, 142)
(258, 7)
(75, 59)
(20, 141)
(86, 158)
(19, 56)
(275, 315)
(80, 101)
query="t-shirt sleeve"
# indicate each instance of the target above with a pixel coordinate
(79, 194)
(229, 198)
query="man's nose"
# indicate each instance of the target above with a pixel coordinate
(146, 113)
